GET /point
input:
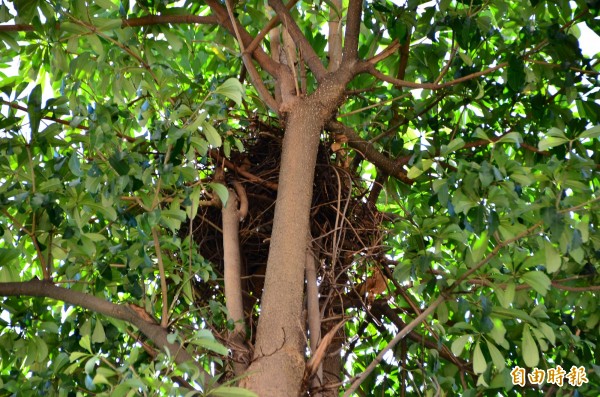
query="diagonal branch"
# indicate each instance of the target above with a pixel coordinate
(350, 53)
(153, 331)
(399, 336)
(380, 160)
(263, 59)
(247, 59)
(267, 28)
(310, 56)
(390, 50)
(244, 39)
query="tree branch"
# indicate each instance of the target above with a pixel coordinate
(233, 282)
(312, 59)
(399, 336)
(382, 308)
(335, 37)
(164, 319)
(267, 28)
(350, 53)
(172, 19)
(151, 330)
(133, 22)
(263, 59)
(389, 166)
(390, 50)
(244, 39)
(367, 67)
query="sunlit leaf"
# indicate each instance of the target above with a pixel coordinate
(531, 354)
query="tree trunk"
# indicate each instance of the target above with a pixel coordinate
(278, 363)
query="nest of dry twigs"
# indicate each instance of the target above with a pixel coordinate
(344, 225)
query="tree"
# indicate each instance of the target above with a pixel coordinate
(378, 198)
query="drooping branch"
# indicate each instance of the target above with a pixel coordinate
(350, 53)
(153, 331)
(64, 122)
(310, 56)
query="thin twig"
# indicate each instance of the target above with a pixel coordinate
(164, 320)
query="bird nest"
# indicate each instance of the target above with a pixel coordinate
(344, 225)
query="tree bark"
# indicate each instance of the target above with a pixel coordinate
(278, 363)
(152, 330)
(233, 282)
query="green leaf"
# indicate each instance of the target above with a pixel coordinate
(479, 363)
(210, 344)
(96, 45)
(548, 332)
(537, 280)
(419, 168)
(75, 356)
(104, 24)
(516, 73)
(74, 165)
(550, 142)
(442, 313)
(511, 137)
(530, 351)
(85, 343)
(232, 89)
(555, 137)
(593, 132)
(479, 248)
(34, 109)
(221, 191)
(100, 379)
(506, 296)
(98, 336)
(41, 350)
(479, 133)
(107, 4)
(192, 209)
(497, 357)
(212, 135)
(553, 258)
(458, 345)
(453, 146)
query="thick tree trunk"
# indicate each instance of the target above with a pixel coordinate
(278, 363)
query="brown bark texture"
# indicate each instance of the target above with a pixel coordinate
(280, 339)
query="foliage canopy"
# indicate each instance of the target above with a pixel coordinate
(454, 217)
